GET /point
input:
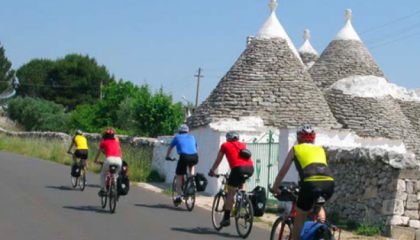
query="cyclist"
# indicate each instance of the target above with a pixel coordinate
(315, 176)
(186, 146)
(241, 170)
(110, 146)
(82, 151)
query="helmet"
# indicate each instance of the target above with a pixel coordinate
(232, 135)
(183, 128)
(108, 134)
(78, 132)
(306, 134)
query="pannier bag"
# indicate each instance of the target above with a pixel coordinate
(313, 230)
(123, 185)
(75, 170)
(200, 182)
(124, 169)
(258, 198)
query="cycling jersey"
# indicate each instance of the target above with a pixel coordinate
(81, 142)
(111, 148)
(185, 144)
(231, 149)
(311, 163)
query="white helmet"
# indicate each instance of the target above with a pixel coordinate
(79, 132)
(183, 128)
(232, 135)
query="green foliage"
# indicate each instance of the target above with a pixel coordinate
(368, 230)
(37, 114)
(7, 75)
(154, 176)
(70, 81)
(32, 78)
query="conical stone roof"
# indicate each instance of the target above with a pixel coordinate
(268, 81)
(307, 53)
(345, 56)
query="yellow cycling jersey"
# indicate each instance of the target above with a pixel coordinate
(311, 163)
(81, 142)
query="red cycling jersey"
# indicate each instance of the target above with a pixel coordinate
(232, 154)
(111, 148)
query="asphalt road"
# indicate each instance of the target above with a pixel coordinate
(37, 202)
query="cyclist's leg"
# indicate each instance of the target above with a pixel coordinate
(322, 215)
(181, 170)
(104, 171)
(298, 223)
(193, 160)
(327, 190)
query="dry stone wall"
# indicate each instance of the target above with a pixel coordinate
(342, 59)
(268, 81)
(375, 186)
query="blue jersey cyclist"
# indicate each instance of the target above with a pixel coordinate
(186, 146)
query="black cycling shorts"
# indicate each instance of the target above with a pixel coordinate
(309, 191)
(186, 160)
(82, 154)
(239, 175)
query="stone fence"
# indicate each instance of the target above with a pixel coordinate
(376, 186)
(55, 136)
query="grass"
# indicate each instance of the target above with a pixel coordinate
(9, 125)
(368, 230)
(139, 159)
(359, 229)
(167, 192)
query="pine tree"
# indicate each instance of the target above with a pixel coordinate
(7, 74)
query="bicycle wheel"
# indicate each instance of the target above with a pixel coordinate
(244, 219)
(174, 192)
(324, 234)
(103, 201)
(190, 194)
(74, 181)
(82, 180)
(113, 196)
(281, 230)
(217, 210)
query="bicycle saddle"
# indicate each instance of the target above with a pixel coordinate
(320, 198)
(113, 168)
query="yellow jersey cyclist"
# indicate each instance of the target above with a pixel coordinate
(314, 174)
(82, 151)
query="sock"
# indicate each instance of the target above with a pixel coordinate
(179, 196)
(227, 215)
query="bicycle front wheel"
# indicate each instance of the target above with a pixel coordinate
(244, 219)
(74, 181)
(103, 201)
(190, 194)
(82, 180)
(113, 196)
(281, 230)
(217, 210)
(174, 192)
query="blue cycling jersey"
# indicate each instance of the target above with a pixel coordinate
(185, 144)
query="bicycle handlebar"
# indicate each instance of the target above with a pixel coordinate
(170, 159)
(218, 175)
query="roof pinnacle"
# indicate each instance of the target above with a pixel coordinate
(306, 34)
(349, 14)
(273, 5)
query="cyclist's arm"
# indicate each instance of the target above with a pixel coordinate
(97, 155)
(219, 159)
(286, 166)
(71, 146)
(169, 151)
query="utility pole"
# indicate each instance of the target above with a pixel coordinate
(198, 86)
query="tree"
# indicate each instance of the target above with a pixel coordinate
(70, 81)
(7, 74)
(32, 78)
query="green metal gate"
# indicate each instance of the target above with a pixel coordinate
(265, 155)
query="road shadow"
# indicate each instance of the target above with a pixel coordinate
(204, 231)
(96, 209)
(93, 186)
(161, 206)
(62, 188)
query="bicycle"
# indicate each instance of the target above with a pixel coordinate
(188, 190)
(289, 193)
(81, 179)
(111, 188)
(242, 210)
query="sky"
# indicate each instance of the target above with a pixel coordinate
(164, 42)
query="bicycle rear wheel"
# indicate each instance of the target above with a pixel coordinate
(217, 210)
(103, 201)
(74, 181)
(281, 230)
(244, 219)
(324, 234)
(190, 194)
(113, 196)
(82, 180)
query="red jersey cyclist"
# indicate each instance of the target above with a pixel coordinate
(241, 170)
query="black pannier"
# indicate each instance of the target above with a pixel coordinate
(75, 170)
(124, 169)
(123, 185)
(258, 198)
(200, 182)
